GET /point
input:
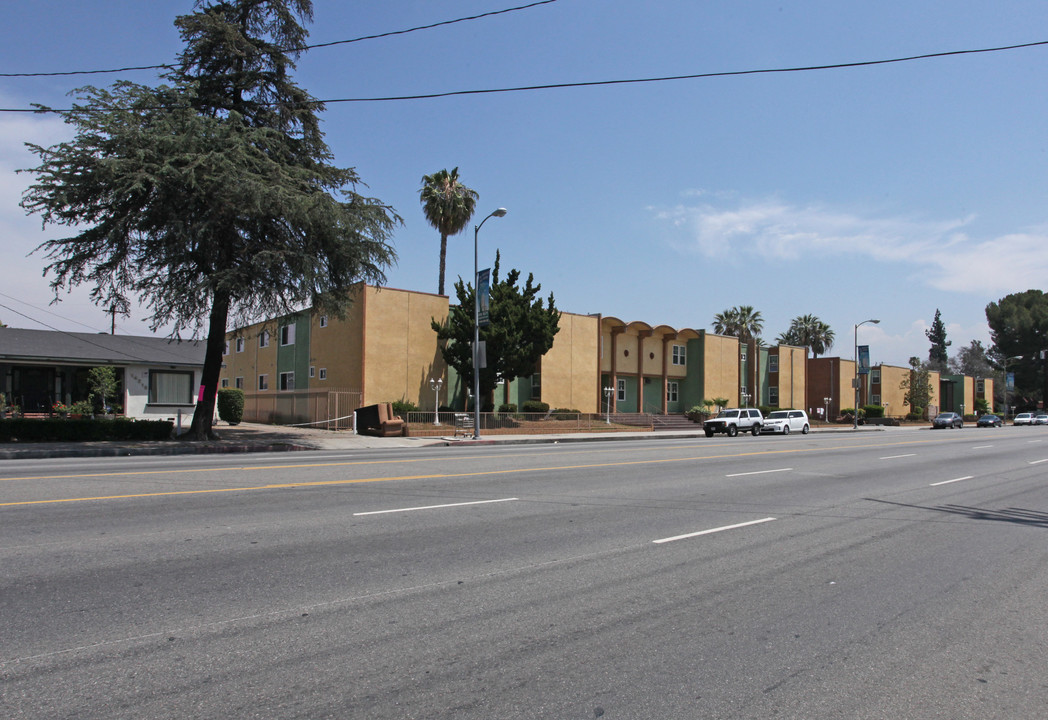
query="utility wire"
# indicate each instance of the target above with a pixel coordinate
(633, 81)
(291, 50)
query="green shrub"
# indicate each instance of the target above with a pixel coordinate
(508, 408)
(565, 414)
(535, 406)
(231, 405)
(873, 411)
(59, 430)
(403, 407)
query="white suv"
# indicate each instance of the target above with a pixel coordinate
(733, 421)
(786, 421)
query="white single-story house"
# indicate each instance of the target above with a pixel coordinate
(156, 376)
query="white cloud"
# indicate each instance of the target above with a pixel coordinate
(935, 252)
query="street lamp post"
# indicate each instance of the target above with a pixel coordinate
(501, 212)
(435, 385)
(855, 382)
(607, 398)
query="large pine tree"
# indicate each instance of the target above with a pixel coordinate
(212, 198)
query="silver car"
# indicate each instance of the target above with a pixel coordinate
(1023, 419)
(786, 421)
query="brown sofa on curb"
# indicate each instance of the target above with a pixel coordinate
(379, 420)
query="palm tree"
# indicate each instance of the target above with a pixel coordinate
(809, 332)
(448, 206)
(743, 322)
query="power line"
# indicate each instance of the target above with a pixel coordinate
(634, 81)
(290, 50)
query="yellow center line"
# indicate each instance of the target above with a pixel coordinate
(330, 483)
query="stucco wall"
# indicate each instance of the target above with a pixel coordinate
(721, 362)
(570, 376)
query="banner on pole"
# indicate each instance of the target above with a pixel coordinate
(484, 297)
(864, 360)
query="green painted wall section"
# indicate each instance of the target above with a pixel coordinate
(294, 358)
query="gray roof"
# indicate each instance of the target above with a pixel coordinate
(37, 346)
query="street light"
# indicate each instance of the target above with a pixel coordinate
(1013, 357)
(855, 382)
(435, 386)
(501, 212)
(608, 390)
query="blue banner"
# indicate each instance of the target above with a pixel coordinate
(484, 297)
(864, 360)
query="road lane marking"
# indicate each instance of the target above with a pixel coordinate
(947, 482)
(1038, 462)
(893, 457)
(712, 530)
(759, 472)
(433, 507)
(981, 447)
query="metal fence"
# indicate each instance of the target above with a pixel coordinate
(420, 424)
(326, 409)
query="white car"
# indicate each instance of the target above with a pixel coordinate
(1023, 419)
(786, 421)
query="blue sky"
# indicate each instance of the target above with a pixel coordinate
(882, 192)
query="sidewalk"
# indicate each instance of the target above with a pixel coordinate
(255, 438)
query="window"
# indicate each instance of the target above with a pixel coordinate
(323, 321)
(225, 382)
(170, 387)
(742, 355)
(263, 382)
(773, 364)
(225, 349)
(263, 339)
(672, 392)
(238, 383)
(773, 395)
(679, 355)
(323, 373)
(287, 335)
(875, 399)
(622, 391)
(312, 371)
(980, 387)
(536, 386)
(287, 381)
(875, 375)
(240, 344)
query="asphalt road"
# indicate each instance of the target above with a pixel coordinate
(876, 575)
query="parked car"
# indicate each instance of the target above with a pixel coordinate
(1023, 419)
(989, 421)
(948, 420)
(734, 420)
(1040, 419)
(786, 421)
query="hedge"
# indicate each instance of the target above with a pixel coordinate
(60, 430)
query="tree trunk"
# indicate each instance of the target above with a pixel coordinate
(443, 257)
(204, 415)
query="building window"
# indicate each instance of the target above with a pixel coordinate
(679, 355)
(875, 399)
(672, 392)
(773, 364)
(742, 395)
(225, 382)
(240, 345)
(323, 373)
(287, 381)
(536, 386)
(312, 371)
(773, 395)
(238, 383)
(980, 387)
(875, 375)
(287, 335)
(263, 382)
(170, 387)
(742, 355)
(225, 348)
(323, 321)
(263, 339)
(622, 391)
